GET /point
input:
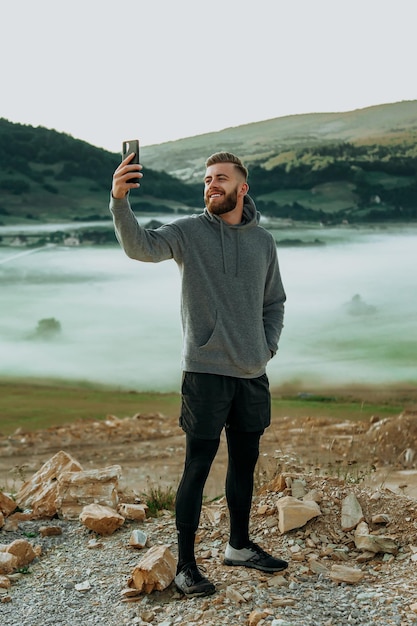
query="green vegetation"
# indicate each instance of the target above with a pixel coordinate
(158, 499)
(50, 176)
(337, 182)
(32, 406)
(354, 167)
(39, 405)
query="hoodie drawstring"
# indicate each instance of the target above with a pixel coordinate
(222, 244)
(237, 240)
(237, 252)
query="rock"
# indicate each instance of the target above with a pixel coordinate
(78, 489)
(234, 595)
(50, 531)
(316, 566)
(344, 574)
(138, 539)
(277, 484)
(103, 520)
(256, 616)
(1, 520)
(298, 489)
(8, 563)
(10, 524)
(39, 493)
(5, 582)
(381, 518)
(7, 505)
(133, 511)
(277, 581)
(130, 595)
(284, 602)
(24, 552)
(93, 544)
(373, 543)
(214, 514)
(352, 513)
(155, 572)
(84, 586)
(295, 513)
(314, 495)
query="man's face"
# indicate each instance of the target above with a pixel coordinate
(223, 186)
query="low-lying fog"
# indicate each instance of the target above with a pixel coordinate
(350, 314)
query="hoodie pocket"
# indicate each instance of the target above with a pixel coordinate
(243, 348)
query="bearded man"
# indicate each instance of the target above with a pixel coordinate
(232, 311)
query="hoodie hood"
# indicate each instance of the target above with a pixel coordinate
(250, 219)
(250, 216)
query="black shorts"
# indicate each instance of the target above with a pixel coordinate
(211, 402)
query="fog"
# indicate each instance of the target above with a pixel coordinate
(120, 322)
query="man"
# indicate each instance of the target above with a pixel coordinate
(232, 308)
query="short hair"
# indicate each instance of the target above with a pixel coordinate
(228, 157)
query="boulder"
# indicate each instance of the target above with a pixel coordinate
(8, 563)
(352, 513)
(24, 552)
(7, 505)
(39, 493)
(78, 489)
(155, 572)
(133, 511)
(103, 520)
(294, 513)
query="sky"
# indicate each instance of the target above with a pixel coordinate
(105, 71)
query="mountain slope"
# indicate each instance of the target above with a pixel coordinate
(48, 176)
(259, 141)
(330, 167)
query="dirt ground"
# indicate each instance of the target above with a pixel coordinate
(150, 450)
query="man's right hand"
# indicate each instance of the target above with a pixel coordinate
(120, 186)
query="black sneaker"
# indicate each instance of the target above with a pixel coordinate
(191, 582)
(253, 556)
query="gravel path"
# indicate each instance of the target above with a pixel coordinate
(78, 580)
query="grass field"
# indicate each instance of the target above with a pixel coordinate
(33, 405)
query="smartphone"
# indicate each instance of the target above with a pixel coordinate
(131, 147)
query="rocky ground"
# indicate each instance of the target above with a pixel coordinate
(79, 578)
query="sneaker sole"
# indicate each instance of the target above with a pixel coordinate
(254, 566)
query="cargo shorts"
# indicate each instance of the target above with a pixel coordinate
(211, 402)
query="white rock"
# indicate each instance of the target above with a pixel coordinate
(352, 513)
(294, 513)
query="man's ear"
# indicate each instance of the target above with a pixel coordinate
(244, 189)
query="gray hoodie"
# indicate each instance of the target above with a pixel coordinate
(232, 297)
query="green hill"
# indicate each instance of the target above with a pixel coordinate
(50, 176)
(331, 167)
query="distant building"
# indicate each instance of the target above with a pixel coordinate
(72, 240)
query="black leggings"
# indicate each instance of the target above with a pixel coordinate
(243, 451)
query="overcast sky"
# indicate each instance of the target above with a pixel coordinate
(104, 70)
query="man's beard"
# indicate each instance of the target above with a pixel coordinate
(220, 206)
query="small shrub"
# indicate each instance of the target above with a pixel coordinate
(47, 328)
(159, 499)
